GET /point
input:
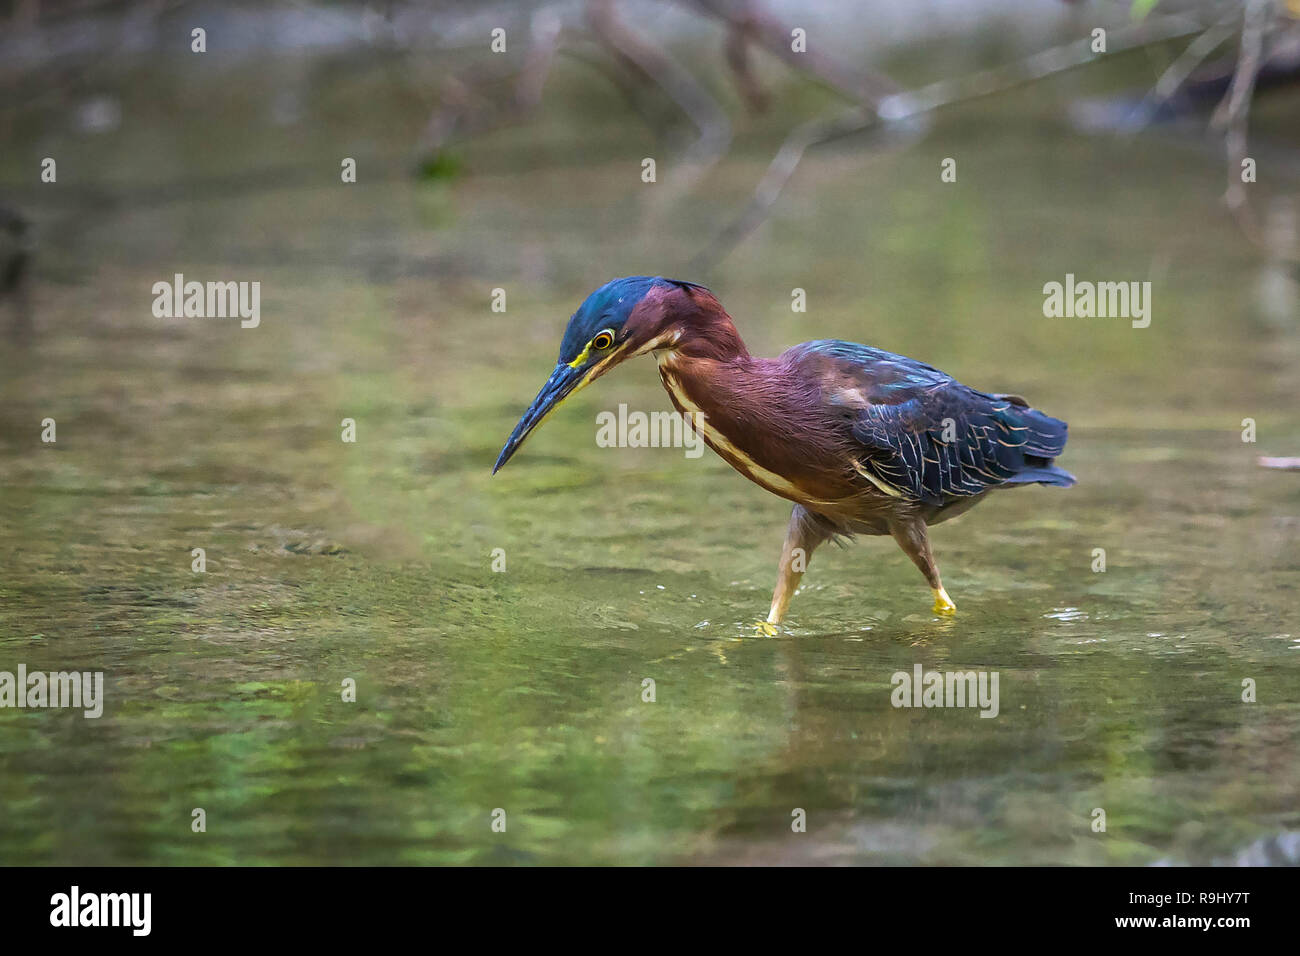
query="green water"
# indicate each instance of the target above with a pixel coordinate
(522, 689)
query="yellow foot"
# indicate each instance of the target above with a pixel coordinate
(766, 628)
(942, 603)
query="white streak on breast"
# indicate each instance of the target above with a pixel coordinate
(721, 444)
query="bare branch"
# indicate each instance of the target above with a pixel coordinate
(544, 40)
(740, 35)
(757, 24)
(458, 99)
(678, 82)
(1234, 113)
(893, 110)
(1172, 80)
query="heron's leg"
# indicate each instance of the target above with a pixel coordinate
(912, 537)
(805, 533)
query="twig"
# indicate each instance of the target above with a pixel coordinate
(740, 34)
(545, 37)
(544, 40)
(1234, 114)
(1172, 79)
(899, 107)
(676, 81)
(859, 86)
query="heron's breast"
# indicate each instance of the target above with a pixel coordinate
(715, 432)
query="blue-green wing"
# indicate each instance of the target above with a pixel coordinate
(925, 436)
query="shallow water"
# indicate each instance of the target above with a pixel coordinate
(522, 689)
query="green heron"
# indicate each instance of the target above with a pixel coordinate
(861, 440)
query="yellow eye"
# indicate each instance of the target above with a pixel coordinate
(603, 340)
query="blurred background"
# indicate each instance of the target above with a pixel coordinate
(521, 689)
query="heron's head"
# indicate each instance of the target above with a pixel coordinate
(622, 318)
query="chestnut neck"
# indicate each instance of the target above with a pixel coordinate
(706, 330)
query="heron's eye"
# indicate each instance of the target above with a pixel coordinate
(603, 340)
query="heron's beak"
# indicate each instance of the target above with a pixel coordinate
(564, 381)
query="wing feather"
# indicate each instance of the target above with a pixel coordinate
(924, 435)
